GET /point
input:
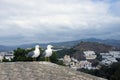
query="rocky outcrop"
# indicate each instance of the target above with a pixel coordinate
(40, 71)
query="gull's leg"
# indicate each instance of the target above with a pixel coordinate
(34, 59)
(45, 58)
(48, 59)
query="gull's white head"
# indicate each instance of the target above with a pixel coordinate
(49, 46)
(37, 46)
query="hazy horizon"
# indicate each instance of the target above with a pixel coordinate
(44, 21)
(29, 43)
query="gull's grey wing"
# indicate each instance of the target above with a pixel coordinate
(44, 53)
(30, 54)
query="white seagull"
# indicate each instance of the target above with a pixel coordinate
(34, 54)
(48, 52)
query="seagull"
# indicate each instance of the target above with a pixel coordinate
(34, 54)
(48, 52)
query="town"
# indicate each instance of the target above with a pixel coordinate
(71, 62)
(107, 59)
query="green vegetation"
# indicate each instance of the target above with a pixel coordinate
(21, 55)
(111, 72)
(95, 63)
(64, 52)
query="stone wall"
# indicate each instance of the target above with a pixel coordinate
(40, 71)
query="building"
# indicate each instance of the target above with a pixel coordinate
(1, 58)
(67, 60)
(105, 55)
(115, 54)
(81, 64)
(90, 55)
(85, 64)
(108, 61)
(75, 64)
(109, 58)
(7, 55)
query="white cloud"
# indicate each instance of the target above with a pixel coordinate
(44, 20)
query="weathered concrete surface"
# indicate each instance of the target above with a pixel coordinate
(40, 71)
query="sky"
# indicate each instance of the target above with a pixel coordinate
(42, 21)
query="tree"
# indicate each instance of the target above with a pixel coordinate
(95, 63)
(53, 58)
(111, 72)
(20, 54)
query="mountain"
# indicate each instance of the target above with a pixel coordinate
(77, 50)
(41, 71)
(93, 46)
(67, 44)
(107, 41)
(6, 48)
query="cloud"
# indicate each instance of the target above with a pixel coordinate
(27, 21)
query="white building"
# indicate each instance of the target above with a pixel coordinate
(109, 58)
(75, 64)
(85, 64)
(7, 55)
(1, 58)
(90, 55)
(108, 61)
(106, 55)
(74, 60)
(67, 59)
(115, 54)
